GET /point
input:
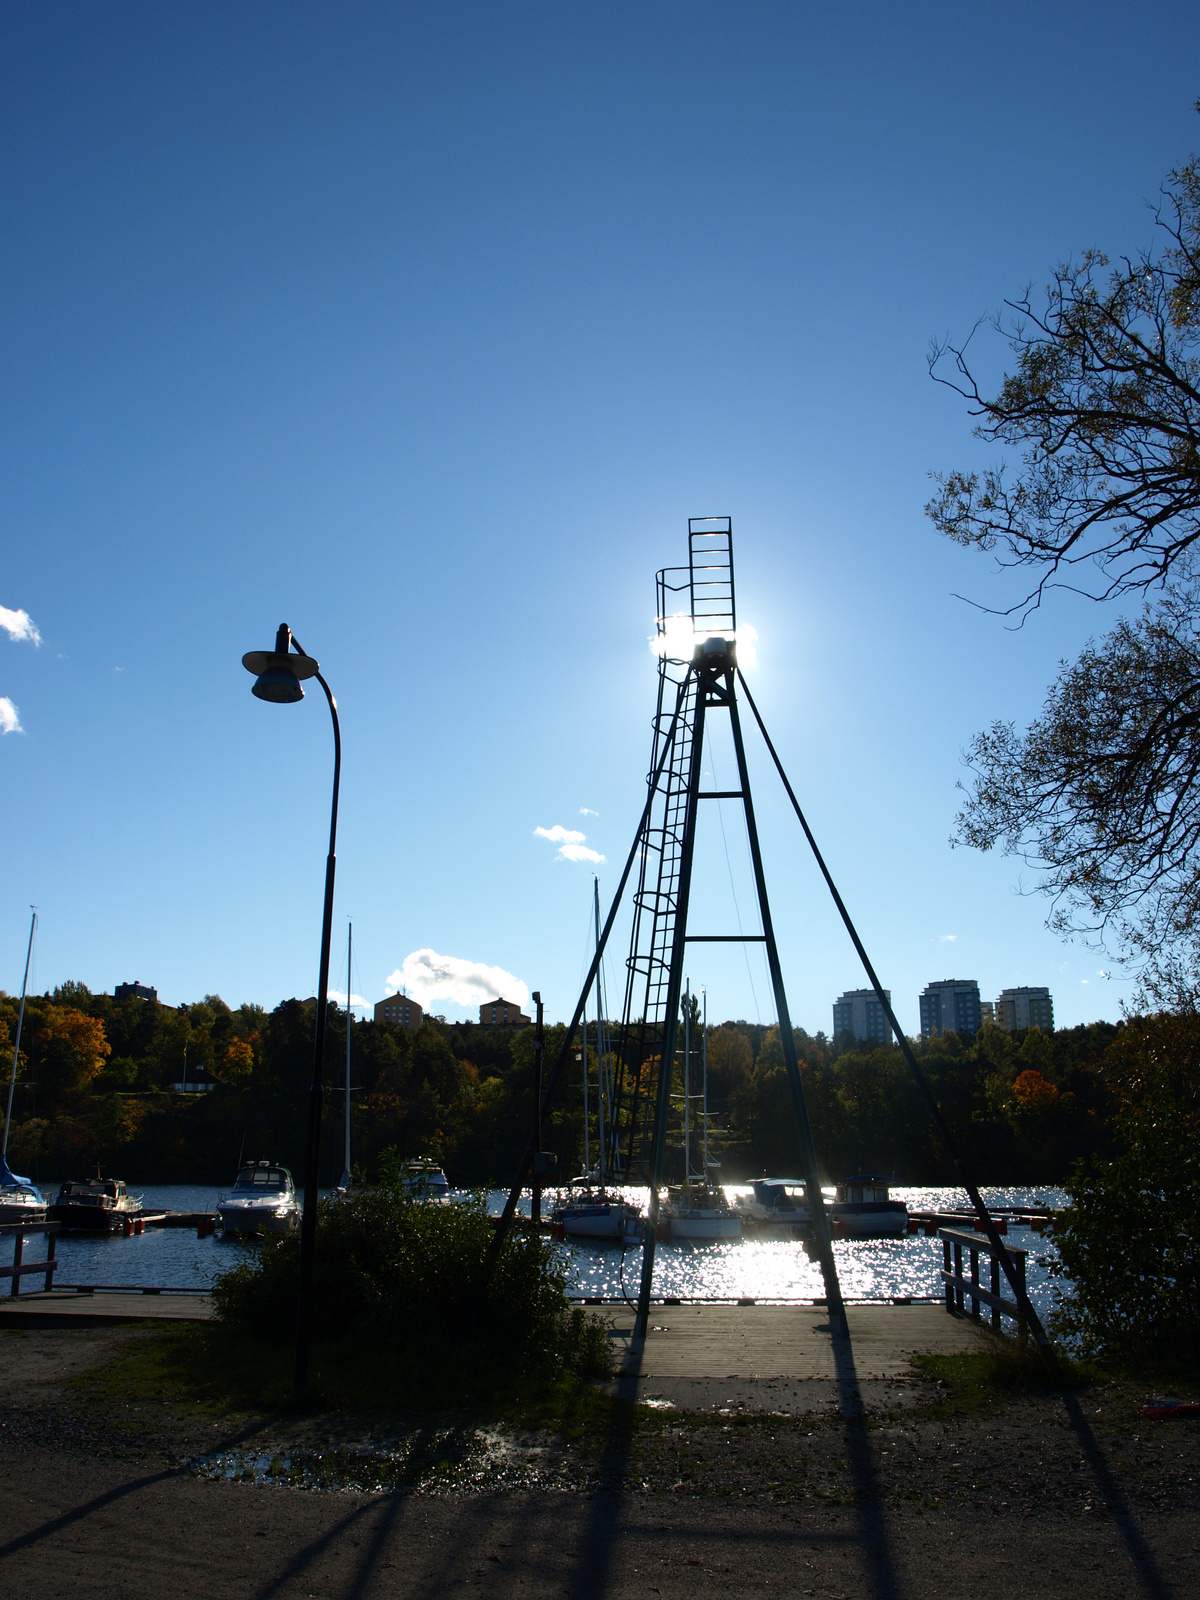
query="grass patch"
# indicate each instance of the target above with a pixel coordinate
(982, 1377)
(213, 1367)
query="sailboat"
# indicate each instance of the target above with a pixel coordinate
(20, 1198)
(697, 1208)
(588, 1209)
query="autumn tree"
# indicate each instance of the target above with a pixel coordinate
(71, 1051)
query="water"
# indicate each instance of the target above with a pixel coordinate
(779, 1270)
(763, 1270)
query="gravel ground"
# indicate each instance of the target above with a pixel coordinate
(1048, 1495)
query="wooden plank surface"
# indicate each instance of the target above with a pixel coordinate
(62, 1308)
(789, 1341)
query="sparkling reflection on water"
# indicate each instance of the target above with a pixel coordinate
(749, 1268)
(765, 1270)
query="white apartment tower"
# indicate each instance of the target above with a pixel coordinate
(858, 1012)
(1017, 1009)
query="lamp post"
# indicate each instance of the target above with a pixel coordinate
(278, 675)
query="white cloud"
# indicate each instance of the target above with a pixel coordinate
(560, 835)
(570, 842)
(586, 811)
(578, 852)
(427, 976)
(339, 996)
(20, 626)
(10, 721)
(947, 938)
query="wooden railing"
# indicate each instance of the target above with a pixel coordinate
(17, 1231)
(959, 1289)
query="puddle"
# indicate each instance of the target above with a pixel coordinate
(424, 1462)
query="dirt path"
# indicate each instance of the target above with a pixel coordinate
(1046, 1497)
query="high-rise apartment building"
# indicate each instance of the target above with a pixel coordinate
(1025, 1008)
(951, 1006)
(859, 1013)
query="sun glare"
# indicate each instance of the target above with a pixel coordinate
(679, 639)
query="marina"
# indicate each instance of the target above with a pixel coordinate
(765, 1270)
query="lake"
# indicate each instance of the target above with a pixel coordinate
(775, 1270)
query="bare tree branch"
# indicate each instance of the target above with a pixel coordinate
(1104, 404)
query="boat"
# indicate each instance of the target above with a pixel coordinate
(697, 1208)
(263, 1200)
(587, 1209)
(95, 1205)
(777, 1207)
(863, 1209)
(699, 1211)
(424, 1179)
(20, 1198)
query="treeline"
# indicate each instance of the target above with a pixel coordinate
(95, 1086)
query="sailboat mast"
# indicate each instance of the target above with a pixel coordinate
(704, 1047)
(12, 1080)
(687, 1080)
(349, 1013)
(587, 1144)
(599, 1026)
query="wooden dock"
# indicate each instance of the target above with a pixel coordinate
(72, 1308)
(729, 1359)
(697, 1341)
(782, 1358)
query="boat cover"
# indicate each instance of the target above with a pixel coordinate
(9, 1179)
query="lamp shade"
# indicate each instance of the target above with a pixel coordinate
(277, 674)
(279, 685)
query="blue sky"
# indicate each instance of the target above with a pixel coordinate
(425, 329)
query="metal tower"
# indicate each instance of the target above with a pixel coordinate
(698, 679)
(697, 645)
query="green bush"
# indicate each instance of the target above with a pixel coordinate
(1130, 1240)
(408, 1283)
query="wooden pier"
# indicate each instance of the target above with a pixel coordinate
(102, 1307)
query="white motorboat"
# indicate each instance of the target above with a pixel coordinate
(864, 1209)
(424, 1180)
(700, 1211)
(777, 1206)
(20, 1198)
(263, 1200)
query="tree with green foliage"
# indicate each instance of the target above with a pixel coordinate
(1130, 1242)
(412, 1288)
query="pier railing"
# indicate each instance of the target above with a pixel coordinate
(959, 1289)
(20, 1268)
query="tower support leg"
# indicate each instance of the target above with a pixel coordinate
(787, 1040)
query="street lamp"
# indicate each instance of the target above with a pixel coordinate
(278, 677)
